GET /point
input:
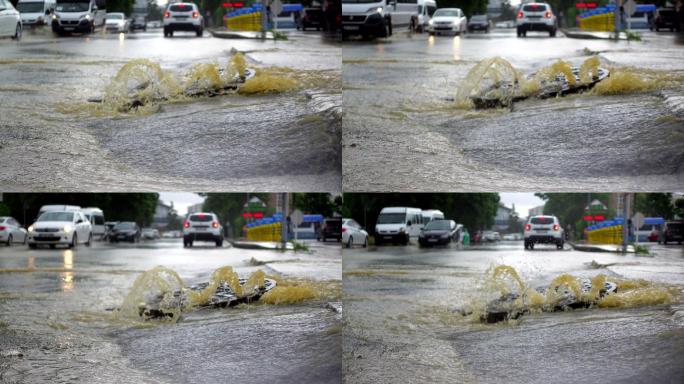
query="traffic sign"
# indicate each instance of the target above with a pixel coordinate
(297, 217)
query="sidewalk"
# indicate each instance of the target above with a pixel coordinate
(599, 247)
(576, 33)
(226, 34)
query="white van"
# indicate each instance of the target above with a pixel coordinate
(76, 16)
(398, 225)
(97, 220)
(58, 207)
(36, 12)
(432, 214)
(366, 18)
(403, 12)
(425, 10)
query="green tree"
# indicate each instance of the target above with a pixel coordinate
(322, 203)
(569, 207)
(125, 6)
(473, 210)
(138, 207)
(469, 7)
(655, 205)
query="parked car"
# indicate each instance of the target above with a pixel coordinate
(367, 18)
(312, 18)
(673, 231)
(76, 16)
(491, 236)
(649, 231)
(35, 12)
(398, 225)
(60, 228)
(478, 23)
(448, 20)
(543, 229)
(97, 220)
(10, 20)
(150, 234)
(116, 22)
(353, 234)
(139, 22)
(665, 18)
(125, 231)
(331, 229)
(11, 231)
(426, 8)
(109, 225)
(58, 207)
(183, 17)
(203, 226)
(439, 232)
(536, 17)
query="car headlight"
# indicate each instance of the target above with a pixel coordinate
(30, 228)
(430, 22)
(401, 230)
(375, 10)
(86, 17)
(67, 228)
(55, 17)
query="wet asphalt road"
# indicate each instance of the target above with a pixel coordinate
(56, 324)
(400, 324)
(288, 141)
(399, 126)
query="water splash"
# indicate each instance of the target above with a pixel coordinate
(503, 291)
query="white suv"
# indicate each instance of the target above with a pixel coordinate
(535, 17)
(202, 227)
(543, 229)
(183, 17)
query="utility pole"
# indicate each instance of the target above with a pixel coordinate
(625, 226)
(264, 18)
(283, 226)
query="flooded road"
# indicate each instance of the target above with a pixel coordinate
(401, 322)
(283, 130)
(401, 122)
(59, 318)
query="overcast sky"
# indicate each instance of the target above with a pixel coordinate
(181, 200)
(523, 202)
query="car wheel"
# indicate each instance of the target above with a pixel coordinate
(350, 242)
(90, 240)
(9, 241)
(74, 241)
(552, 33)
(17, 33)
(531, 246)
(559, 245)
(171, 33)
(190, 244)
(519, 32)
(200, 32)
(219, 243)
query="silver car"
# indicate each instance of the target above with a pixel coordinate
(11, 231)
(10, 20)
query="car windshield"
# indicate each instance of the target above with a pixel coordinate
(446, 12)
(72, 6)
(202, 218)
(56, 216)
(534, 8)
(391, 218)
(124, 226)
(30, 7)
(115, 16)
(542, 220)
(478, 18)
(436, 225)
(181, 8)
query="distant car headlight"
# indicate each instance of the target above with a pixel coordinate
(55, 17)
(430, 22)
(67, 228)
(30, 228)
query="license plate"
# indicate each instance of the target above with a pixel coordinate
(387, 237)
(432, 240)
(68, 28)
(121, 237)
(351, 27)
(44, 235)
